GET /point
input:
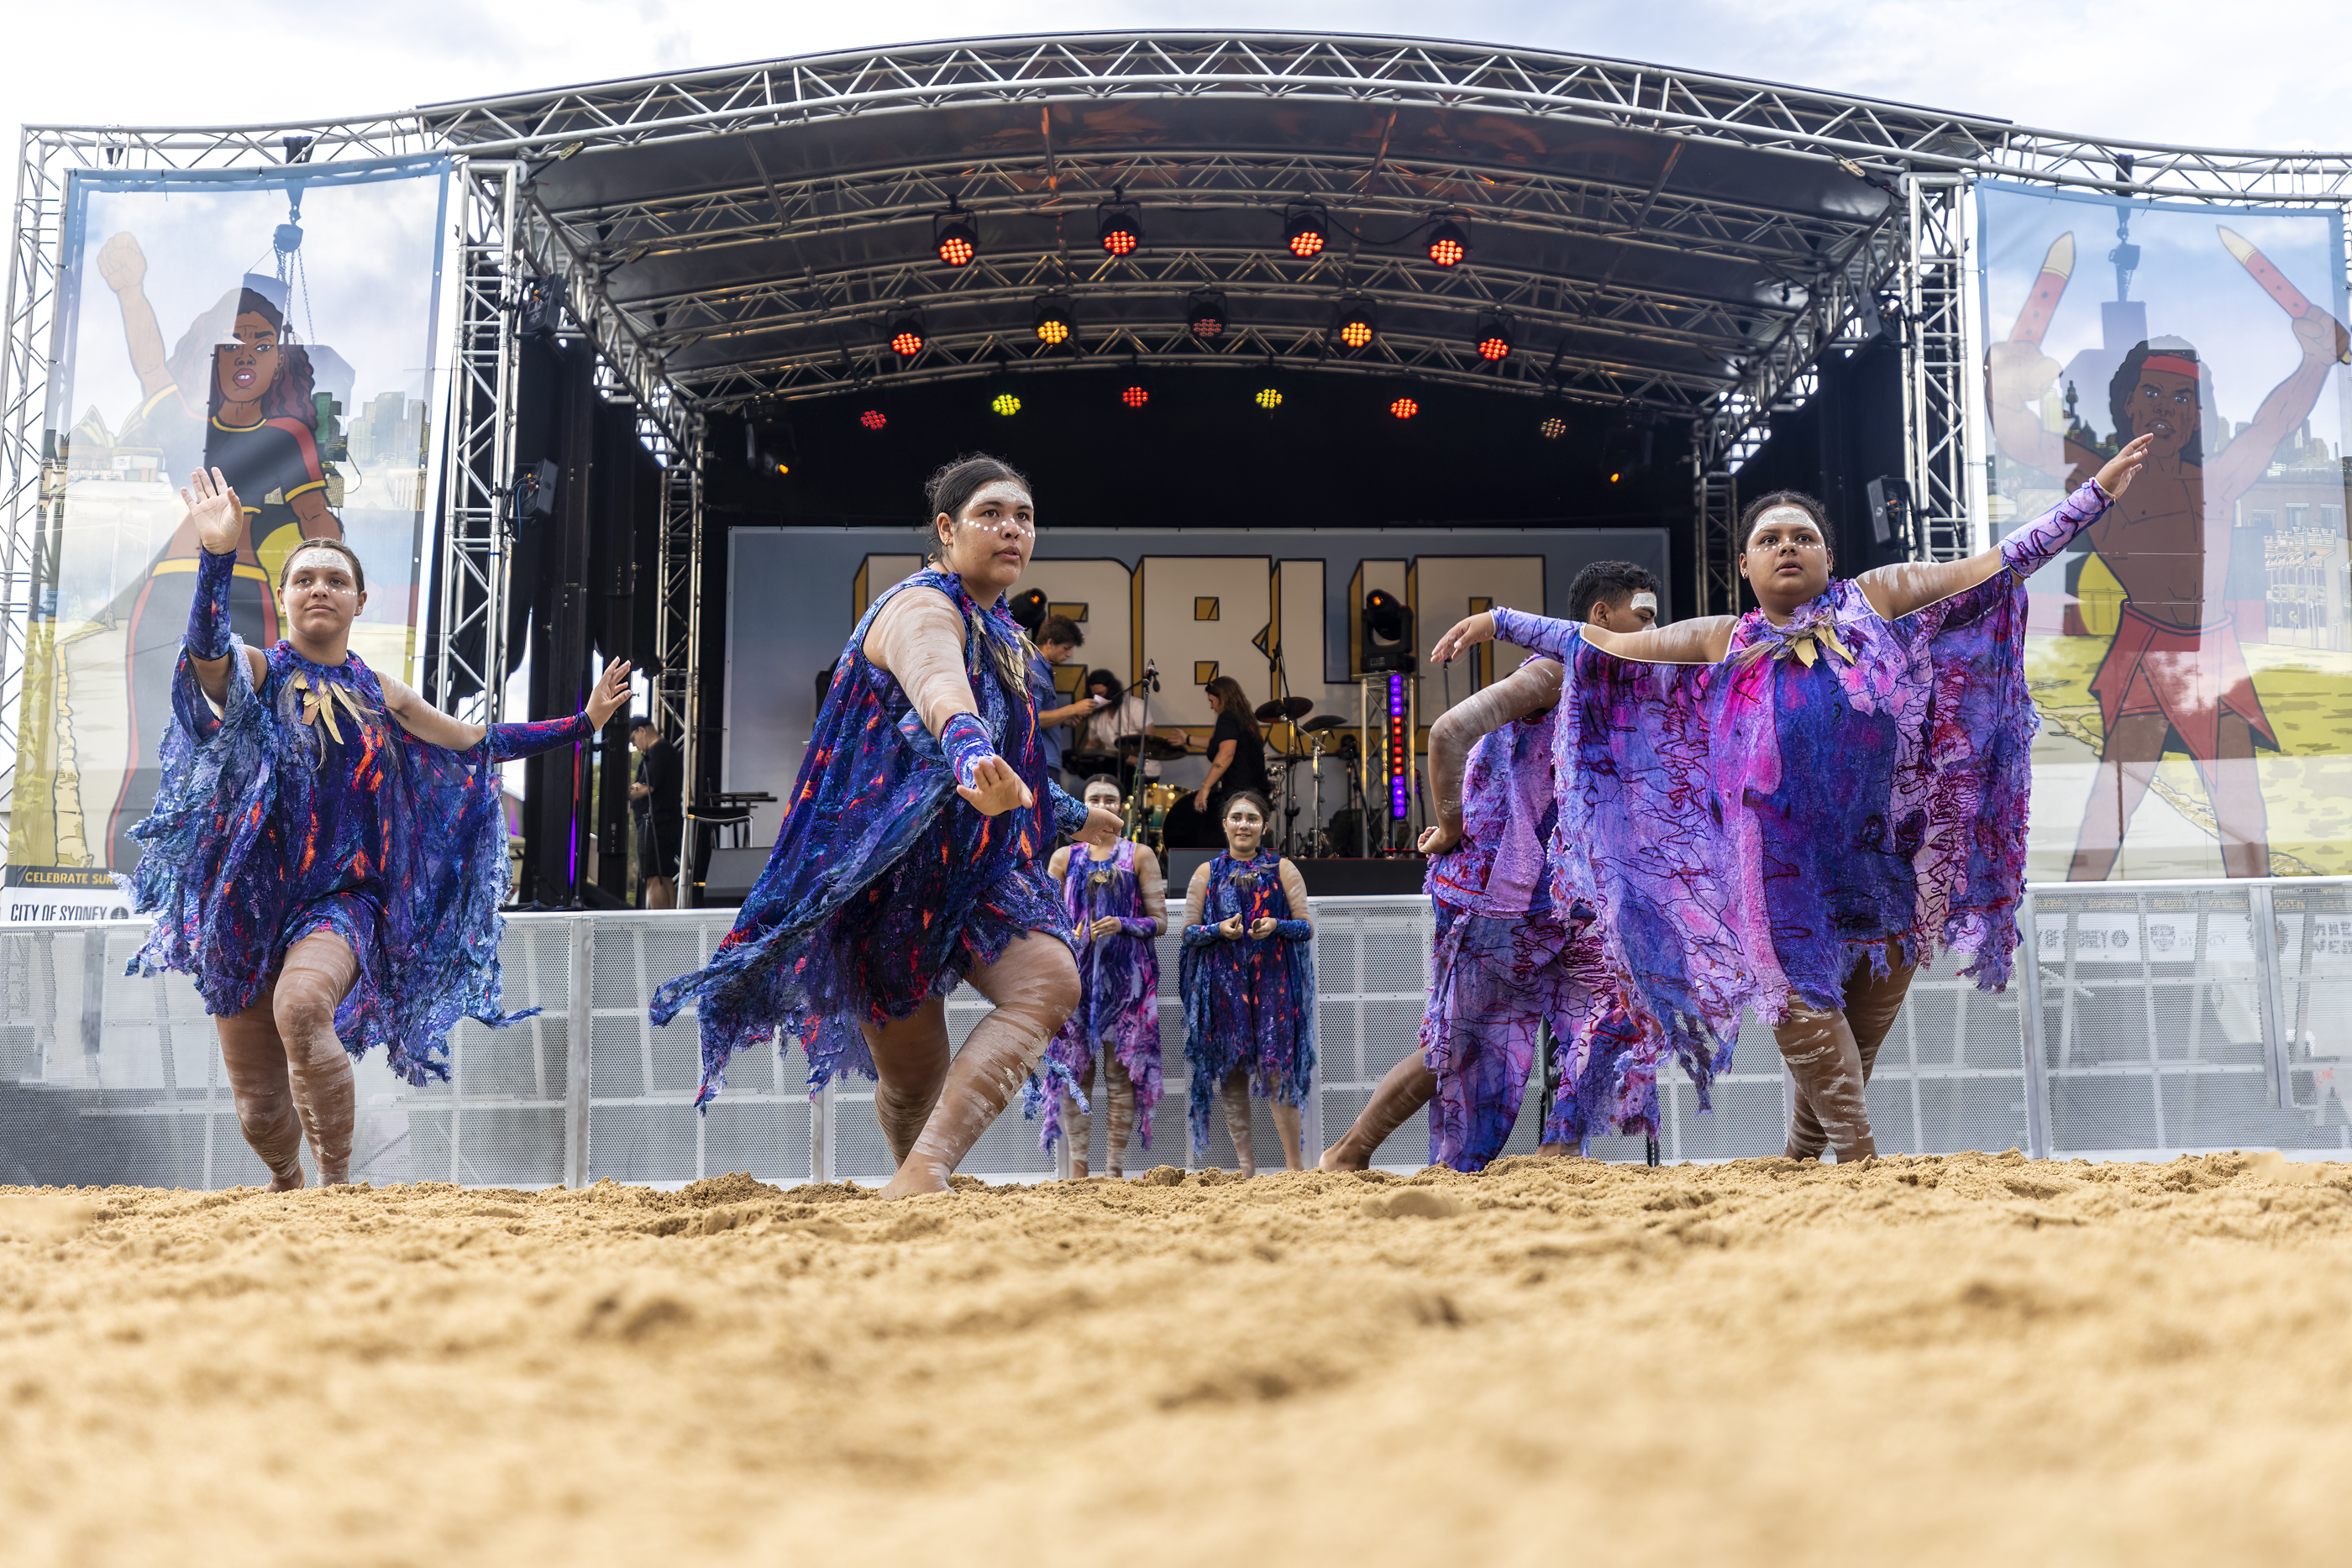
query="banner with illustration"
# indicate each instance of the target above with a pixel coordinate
(2192, 655)
(279, 326)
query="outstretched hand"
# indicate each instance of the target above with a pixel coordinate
(1464, 635)
(612, 690)
(218, 515)
(995, 789)
(2116, 476)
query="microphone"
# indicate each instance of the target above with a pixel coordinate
(1152, 675)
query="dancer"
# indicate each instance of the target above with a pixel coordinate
(1795, 829)
(1506, 959)
(883, 891)
(1248, 984)
(1118, 903)
(329, 880)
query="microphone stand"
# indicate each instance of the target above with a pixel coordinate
(1145, 683)
(1281, 691)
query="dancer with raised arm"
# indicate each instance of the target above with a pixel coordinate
(1508, 960)
(330, 880)
(1248, 982)
(910, 855)
(1791, 810)
(1118, 903)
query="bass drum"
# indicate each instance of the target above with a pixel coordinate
(1151, 826)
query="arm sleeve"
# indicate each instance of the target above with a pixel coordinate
(1301, 924)
(1151, 884)
(1069, 812)
(1197, 934)
(1539, 633)
(509, 741)
(965, 740)
(2039, 542)
(208, 623)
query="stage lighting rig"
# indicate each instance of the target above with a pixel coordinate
(1387, 633)
(1552, 428)
(1356, 326)
(1052, 323)
(1448, 245)
(955, 239)
(873, 419)
(1306, 234)
(1135, 397)
(1268, 398)
(1004, 403)
(1121, 233)
(1494, 339)
(1204, 316)
(907, 337)
(1404, 408)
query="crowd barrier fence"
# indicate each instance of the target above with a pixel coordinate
(2157, 1018)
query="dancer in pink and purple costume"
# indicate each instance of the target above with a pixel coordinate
(1791, 810)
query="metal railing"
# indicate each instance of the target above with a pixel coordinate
(2157, 1018)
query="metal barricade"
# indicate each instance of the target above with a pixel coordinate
(2156, 1018)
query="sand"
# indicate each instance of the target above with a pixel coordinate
(1917, 1360)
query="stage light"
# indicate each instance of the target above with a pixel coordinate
(1386, 631)
(1404, 408)
(873, 419)
(1005, 403)
(1122, 234)
(1448, 247)
(1268, 397)
(782, 469)
(1135, 397)
(1400, 743)
(956, 240)
(1204, 316)
(906, 336)
(1614, 477)
(1305, 234)
(1553, 428)
(1493, 339)
(1052, 323)
(1357, 325)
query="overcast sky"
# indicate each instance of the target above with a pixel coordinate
(2210, 73)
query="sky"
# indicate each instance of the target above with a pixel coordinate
(2275, 77)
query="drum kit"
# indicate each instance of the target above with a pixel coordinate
(1289, 744)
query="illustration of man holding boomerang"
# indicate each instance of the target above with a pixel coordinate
(2175, 673)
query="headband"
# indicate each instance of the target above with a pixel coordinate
(2174, 363)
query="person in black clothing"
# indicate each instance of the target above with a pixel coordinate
(1236, 753)
(657, 798)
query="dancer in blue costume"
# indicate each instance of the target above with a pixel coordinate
(1118, 903)
(1506, 959)
(1791, 810)
(331, 880)
(910, 856)
(1247, 977)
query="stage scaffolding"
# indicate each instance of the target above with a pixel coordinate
(653, 278)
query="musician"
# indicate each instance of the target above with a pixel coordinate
(1057, 638)
(1236, 752)
(1117, 719)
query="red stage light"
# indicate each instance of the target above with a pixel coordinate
(958, 243)
(1135, 397)
(1493, 346)
(1356, 334)
(906, 336)
(1404, 408)
(873, 419)
(1121, 233)
(1448, 247)
(1304, 236)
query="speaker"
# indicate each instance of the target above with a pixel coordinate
(726, 880)
(1890, 508)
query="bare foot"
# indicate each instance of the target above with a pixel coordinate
(1077, 1170)
(1114, 1173)
(912, 1182)
(289, 1182)
(1333, 1160)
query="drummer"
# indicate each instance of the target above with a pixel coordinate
(1236, 753)
(1114, 726)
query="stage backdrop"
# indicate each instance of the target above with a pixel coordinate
(2192, 656)
(1200, 604)
(279, 326)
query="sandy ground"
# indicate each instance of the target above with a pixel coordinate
(1917, 1361)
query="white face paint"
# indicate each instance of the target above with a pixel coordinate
(1102, 795)
(1643, 601)
(1787, 517)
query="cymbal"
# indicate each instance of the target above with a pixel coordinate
(1284, 707)
(1329, 721)
(1085, 762)
(1155, 748)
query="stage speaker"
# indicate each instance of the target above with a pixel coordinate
(726, 880)
(1890, 508)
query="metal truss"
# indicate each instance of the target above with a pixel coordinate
(1941, 371)
(678, 629)
(631, 369)
(1457, 77)
(469, 662)
(1715, 502)
(32, 487)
